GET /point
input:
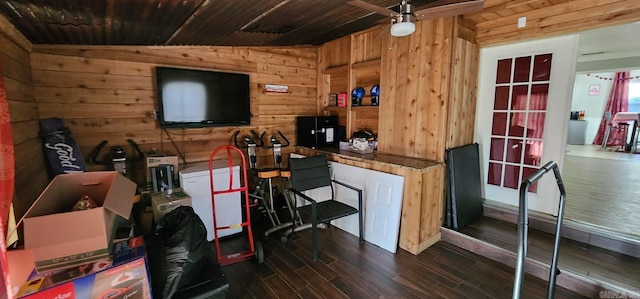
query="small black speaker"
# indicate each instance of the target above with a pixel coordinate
(162, 177)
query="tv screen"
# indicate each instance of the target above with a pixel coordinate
(197, 98)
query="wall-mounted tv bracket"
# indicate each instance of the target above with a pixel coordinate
(276, 147)
(250, 144)
(119, 158)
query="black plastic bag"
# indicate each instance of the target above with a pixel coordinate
(186, 250)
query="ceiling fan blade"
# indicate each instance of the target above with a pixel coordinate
(450, 9)
(374, 8)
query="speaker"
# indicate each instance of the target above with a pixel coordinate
(162, 177)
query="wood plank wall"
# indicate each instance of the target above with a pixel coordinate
(416, 72)
(462, 96)
(108, 93)
(29, 163)
(496, 23)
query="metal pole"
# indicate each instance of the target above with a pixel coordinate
(522, 239)
(523, 224)
(553, 272)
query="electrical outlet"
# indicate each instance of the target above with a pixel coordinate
(522, 22)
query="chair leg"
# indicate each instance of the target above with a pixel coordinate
(314, 232)
(605, 139)
(360, 220)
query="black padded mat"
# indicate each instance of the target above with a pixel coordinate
(464, 189)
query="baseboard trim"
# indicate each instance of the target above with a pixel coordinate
(571, 281)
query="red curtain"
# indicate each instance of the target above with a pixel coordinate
(618, 102)
(7, 175)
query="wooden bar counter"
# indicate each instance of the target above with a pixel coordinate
(423, 200)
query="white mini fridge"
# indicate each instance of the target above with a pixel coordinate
(194, 179)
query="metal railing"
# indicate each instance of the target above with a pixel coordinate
(523, 224)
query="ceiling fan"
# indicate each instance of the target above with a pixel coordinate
(402, 21)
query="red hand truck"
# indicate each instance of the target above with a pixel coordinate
(255, 250)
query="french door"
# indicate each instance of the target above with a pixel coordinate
(524, 98)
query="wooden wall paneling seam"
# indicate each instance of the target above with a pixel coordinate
(166, 57)
(400, 145)
(322, 81)
(438, 102)
(16, 69)
(472, 63)
(70, 95)
(424, 54)
(454, 105)
(18, 91)
(23, 110)
(433, 210)
(388, 96)
(50, 62)
(203, 54)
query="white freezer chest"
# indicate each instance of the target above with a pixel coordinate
(194, 179)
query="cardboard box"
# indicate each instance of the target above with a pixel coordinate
(21, 264)
(127, 280)
(163, 204)
(152, 161)
(60, 238)
(26, 280)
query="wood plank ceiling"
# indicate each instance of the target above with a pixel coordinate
(193, 22)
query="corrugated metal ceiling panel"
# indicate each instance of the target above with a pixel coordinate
(193, 22)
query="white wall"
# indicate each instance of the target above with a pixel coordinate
(593, 104)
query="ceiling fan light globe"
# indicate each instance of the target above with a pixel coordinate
(402, 28)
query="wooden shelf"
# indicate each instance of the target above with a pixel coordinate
(365, 107)
(359, 71)
(334, 108)
(366, 64)
(337, 69)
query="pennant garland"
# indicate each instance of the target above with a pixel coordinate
(611, 79)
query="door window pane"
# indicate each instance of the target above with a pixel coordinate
(495, 174)
(542, 67)
(501, 101)
(539, 95)
(497, 149)
(519, 114)
(504, 71)
(499, 124)
(521, 72)
(511, 176)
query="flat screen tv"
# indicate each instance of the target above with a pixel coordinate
(199, 98)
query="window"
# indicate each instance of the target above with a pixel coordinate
(634, 97)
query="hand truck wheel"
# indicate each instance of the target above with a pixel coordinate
(259, 253)
(284, 238)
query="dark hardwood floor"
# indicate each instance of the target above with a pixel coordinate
(347, 269)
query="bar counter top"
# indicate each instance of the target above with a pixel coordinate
(415, 164)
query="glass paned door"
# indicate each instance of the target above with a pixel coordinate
(524, 98)
(519, 112)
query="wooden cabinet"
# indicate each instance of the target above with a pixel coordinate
(422, 192)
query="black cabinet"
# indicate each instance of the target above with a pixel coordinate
(317, 131)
